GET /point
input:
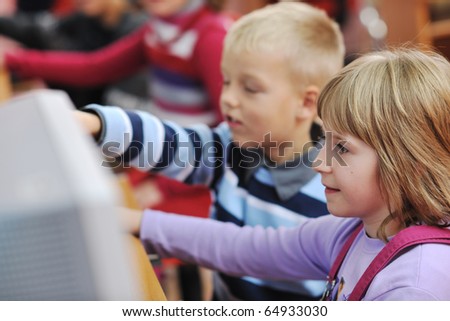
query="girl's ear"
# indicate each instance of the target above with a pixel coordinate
(308, 103)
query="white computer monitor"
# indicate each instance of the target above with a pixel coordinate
(60, 237)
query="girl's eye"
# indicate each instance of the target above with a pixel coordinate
(341, 149)
(225, 82)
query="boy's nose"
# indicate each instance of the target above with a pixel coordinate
(227, 99)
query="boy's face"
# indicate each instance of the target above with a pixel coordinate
(259, 98)
(164, 8)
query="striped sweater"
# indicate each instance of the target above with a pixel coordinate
(247, 191)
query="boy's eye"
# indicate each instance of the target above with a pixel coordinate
(225, 83)
(251, 86)
(250, 90)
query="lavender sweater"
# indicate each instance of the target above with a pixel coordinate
(304, 252)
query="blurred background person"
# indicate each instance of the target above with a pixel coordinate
(88, 26)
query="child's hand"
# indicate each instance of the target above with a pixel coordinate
(90, 122)
(130, 219)
(7, 45)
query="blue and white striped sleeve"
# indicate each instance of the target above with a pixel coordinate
(195, 155)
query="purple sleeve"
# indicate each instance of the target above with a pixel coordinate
(282, 254)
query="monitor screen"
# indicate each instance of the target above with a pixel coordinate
(60, 236)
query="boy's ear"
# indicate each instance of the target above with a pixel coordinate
(308, 104)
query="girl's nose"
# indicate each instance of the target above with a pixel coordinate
(320, 164)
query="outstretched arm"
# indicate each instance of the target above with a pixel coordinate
(222, 246)
(282, 254)
(120, 59)
(195, 155)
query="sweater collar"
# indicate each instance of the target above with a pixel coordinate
(288, 177)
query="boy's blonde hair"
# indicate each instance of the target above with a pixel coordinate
(398, 102)
(311, 42)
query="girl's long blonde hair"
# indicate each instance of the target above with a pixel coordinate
(398, 102)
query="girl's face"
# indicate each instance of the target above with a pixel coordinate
(164, 8)
(349, 170)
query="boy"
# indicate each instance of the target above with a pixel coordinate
(258, 162)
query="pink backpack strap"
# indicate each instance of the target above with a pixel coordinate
(331, 278)
(406, 238)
